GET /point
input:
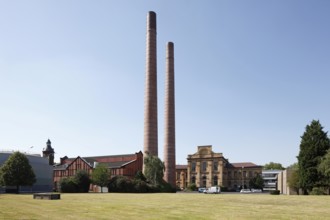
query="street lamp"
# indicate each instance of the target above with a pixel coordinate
(27, 152)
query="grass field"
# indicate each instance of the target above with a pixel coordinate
(165, 206)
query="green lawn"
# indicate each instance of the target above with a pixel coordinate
(165, 206)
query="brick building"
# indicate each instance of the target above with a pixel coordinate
(123, 165)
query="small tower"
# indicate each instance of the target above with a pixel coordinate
(49, 152)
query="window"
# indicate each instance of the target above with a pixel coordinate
(204, 166)
(193, 179)
(204, 181)
(215, 180)
(229, 174)
(215, 165)
(193, 167)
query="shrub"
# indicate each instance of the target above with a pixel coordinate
(317, 191)
(140, 176)
(78, 183)
(125, 185)
(275, 192)
(192, 187)
(121, 184)
(224, 189)
(166, 187)
(140, 186)
(68, 185)
(82, 180)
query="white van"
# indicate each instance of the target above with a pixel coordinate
(213, 190)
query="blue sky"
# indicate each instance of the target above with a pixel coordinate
(250, 75)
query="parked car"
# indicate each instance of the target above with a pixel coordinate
(201, 190)
(245, 191)
(213, 190)
(256, 190)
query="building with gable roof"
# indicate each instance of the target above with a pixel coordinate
(122, 165)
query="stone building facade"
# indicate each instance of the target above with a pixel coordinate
(181, 176)
(206, 168)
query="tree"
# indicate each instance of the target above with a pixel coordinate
(100, 176)
(314, 145)
(273, 166)
(324, 169)
(139, 176)
(153, 169)
(257, 182)
(17, 171)
(82, 180)
(293, 177)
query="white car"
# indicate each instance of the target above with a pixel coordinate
(256, 190)
(213, 190)
(245, 191)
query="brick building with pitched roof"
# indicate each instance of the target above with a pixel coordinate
(123, 165)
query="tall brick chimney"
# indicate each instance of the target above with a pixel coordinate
(150, 96)
(169, 145)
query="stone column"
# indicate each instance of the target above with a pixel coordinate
(150, 97)
(169, 145)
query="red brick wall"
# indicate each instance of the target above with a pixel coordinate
(78, 164)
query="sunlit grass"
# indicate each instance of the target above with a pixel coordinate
(165, 206)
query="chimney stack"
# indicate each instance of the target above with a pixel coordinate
(169, 145)
(150, 97)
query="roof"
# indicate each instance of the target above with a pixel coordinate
(243, 165)
(121, 157)
(118, 164)
(60, 167)
(105, 156)
(65, 166)
(90, 162)
(181, 166)
(271, 171)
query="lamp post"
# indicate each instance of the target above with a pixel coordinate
(28, 151)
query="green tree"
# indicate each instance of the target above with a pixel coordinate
(82, 180)
(153, 169)
(17, 171)
(139, 176)
(314, 145)
(324, 169)
(273, 166)
(293, 177)
(100, 176)
(257, 182)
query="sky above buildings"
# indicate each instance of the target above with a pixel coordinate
(250, 75)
